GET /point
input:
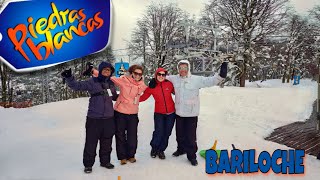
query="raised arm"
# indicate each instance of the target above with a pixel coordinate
(78, 85)
(208, 81)
(214, 80)
(73, 84)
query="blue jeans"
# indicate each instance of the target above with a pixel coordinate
(163, 125)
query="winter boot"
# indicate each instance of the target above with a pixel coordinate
(153, 153)
(132, 160)
(123, 161)
(108, 165)
(178, 153)
(88, 170)
(193, 162)
(161, 155)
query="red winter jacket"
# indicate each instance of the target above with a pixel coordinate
(162, 95)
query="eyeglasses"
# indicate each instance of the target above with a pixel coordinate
(163, 75)
(183, 68)
(137, 74)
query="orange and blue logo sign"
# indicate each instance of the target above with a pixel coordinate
(38, 34)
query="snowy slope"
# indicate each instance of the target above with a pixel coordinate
(46, 141)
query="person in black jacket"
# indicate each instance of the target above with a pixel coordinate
(100, 123)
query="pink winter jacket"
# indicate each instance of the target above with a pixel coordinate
(130, 92)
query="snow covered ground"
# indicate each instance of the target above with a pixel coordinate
(46, 141)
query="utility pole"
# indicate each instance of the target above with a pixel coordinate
(318, 104)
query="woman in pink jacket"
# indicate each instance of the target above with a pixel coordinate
(126, 113)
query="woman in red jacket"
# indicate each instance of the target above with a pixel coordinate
(164, 112)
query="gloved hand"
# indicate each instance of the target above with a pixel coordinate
(152, 83)
(66, 73)
(224, 70)
(88, 71)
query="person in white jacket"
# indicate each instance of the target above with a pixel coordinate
(187, 104)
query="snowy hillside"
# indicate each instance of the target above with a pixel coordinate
(46, 141)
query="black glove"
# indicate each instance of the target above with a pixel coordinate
(66, 73)
(224, 70)
(89, 67)
(152, 83)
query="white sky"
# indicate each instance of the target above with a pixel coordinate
(126, 13)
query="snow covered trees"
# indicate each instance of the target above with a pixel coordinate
(5, 83)
(6, 90)
(267, 40)
(249, 21)
(158, 26)
(299, 36)
(315, 13)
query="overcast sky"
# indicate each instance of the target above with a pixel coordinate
(126, 13)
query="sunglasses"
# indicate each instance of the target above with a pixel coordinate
(107, 69)
(137, 74)
(183, 68)
(160, 74)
